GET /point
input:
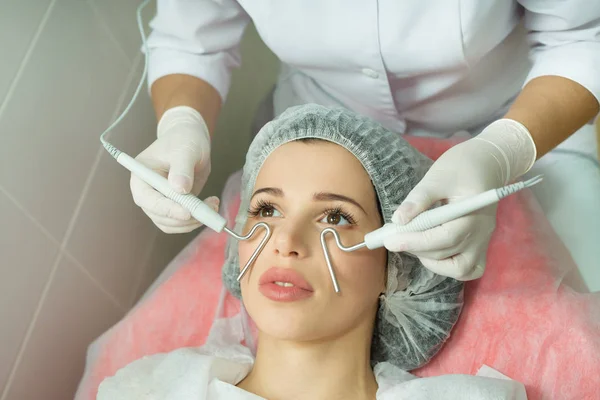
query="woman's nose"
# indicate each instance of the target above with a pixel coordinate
(292, 239)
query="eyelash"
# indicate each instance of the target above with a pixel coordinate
(261, 205)
(338, 211)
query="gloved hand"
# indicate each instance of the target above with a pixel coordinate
(181, 152)
(498, 155)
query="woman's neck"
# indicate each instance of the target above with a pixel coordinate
(338, 368)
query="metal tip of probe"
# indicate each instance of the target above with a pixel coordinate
(533, 181)
(256, 252)
(339, 244)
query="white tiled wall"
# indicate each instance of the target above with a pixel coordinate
(75, 252)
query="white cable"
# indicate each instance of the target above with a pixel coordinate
(112, 149)
(200, 211)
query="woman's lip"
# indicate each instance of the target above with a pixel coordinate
(288, 275)
(283, 294)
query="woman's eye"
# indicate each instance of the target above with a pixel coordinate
(268, 212)
(335, 219)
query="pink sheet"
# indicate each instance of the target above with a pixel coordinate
(528, 317)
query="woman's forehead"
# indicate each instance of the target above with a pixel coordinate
(316, 166)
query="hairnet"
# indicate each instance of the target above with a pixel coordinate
(419, 308)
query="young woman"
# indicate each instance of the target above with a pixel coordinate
(310, 169)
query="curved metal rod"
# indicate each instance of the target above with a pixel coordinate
(261, 245)
(336, 236)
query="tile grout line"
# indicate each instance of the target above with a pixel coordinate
(107, 29)
(28, 215)
(113, 299)
(90, 178)
(5, 191)
(26, 58)
(31, 326)
(71, 225)
(63, 247)
(140, 274)
(101, 151)
(58, 246)
(3, 106)
(71, 257)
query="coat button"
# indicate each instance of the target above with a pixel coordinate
(370, 73)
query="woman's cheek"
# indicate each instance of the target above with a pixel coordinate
(244, 252)
(365, 272)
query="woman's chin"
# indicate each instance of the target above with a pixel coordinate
(295, 325)
(289, 333)
(299, 320)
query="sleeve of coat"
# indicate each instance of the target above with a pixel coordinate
(196, 37)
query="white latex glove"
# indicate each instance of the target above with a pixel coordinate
(181, 152)
(498, 155)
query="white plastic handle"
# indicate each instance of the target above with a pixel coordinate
(432, 218)
(199, 210)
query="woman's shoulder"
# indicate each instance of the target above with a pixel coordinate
(180, 374)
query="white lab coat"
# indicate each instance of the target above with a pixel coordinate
(424, 67)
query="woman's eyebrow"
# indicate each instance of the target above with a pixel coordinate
(269, 190)
(326, 196)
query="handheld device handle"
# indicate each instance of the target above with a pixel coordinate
(197, 207)
(431, 218)
(441, 215)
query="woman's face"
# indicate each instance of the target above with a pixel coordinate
(302, 189)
